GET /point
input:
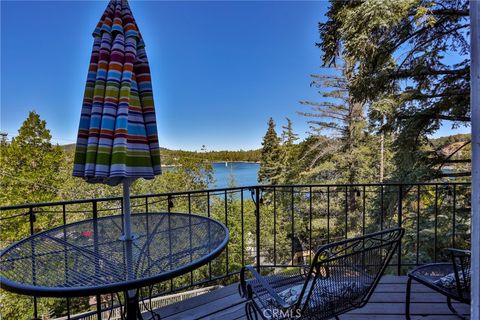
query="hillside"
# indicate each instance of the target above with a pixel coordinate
(170, 157)
(455, 154)
(442, 142)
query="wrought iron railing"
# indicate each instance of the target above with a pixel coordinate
(277, 225)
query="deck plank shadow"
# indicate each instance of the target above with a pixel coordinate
(387, 303)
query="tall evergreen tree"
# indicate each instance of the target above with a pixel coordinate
(348, 155)
(289, 155)
(29, 173)
(30, 165)
(397, 53)
(270, 167)
(288, 135)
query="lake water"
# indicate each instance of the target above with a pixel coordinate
(244, 173)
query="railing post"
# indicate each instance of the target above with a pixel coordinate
(225, 199)
(363, 210)
(32, 219)
(98, 298)
(381, 207)
(292, 211)
(310, 204)
(243, 227)
(94, 210)
(169, 203)
(275, 226)
(454, 217)
(346, 212)
(257, 225)
(328, 214)
(65, 255)
(418, 226)
(400, 206)
(435, 233)
(208, 214)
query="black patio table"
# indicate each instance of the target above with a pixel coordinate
(88, 258)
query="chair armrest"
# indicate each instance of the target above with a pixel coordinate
(459, 252)
(303, 271)
(461, 267)
(247, 291)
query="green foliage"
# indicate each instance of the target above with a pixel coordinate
(395, 52)
(395, 83)
(170, 157)
(294, 221)
(34, 171)
(30, 165)
(187, 175)
(270, 167)
(289, 160)
(351, 154)
(29, 174)
(280, 158)
(448, 140)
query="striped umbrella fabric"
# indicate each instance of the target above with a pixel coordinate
(117, 136)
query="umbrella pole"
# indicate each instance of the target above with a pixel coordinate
(131, 296)
(127, 224)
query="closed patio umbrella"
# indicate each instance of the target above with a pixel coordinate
(117, 137)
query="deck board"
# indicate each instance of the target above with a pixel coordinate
(387, 303)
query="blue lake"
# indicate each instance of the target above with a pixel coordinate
(244, 174)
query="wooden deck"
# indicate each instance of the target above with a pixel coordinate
(387, 303)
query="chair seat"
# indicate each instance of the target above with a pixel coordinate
(279, 283)
(327, 294)
(429, 274)
(341, 277)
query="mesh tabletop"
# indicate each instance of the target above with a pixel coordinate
(89, 258)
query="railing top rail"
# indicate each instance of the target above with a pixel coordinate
(363, 184)
(240, 188)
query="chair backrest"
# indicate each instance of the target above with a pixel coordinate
(344, 274)
(461, 266)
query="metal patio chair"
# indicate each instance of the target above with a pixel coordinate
(341, 277)
(450, 279)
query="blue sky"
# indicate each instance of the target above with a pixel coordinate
(219, 69)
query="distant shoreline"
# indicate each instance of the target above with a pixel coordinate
(175, 165)
(239, 161)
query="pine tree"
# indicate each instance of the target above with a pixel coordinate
(396, 53)
(30, 165)
(30, 172)
(270, 167)
(289, 154)
(347, 155)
